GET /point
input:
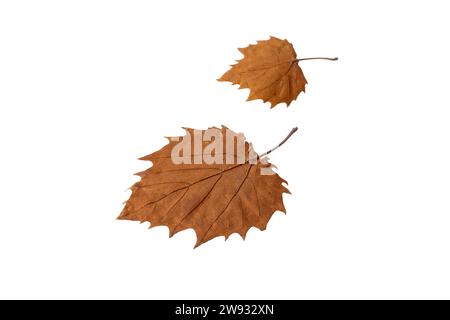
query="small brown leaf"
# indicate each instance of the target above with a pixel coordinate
(215, 198)
(270, 70)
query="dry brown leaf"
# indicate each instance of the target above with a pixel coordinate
(213, 199)
(270, 70)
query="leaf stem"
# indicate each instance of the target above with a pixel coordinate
(316, 58)
(280, 144)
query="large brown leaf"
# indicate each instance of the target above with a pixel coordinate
(215, 199)
(270, 70)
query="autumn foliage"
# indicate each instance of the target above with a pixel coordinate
(211, 184)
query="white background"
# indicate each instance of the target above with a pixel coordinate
(87, 87)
